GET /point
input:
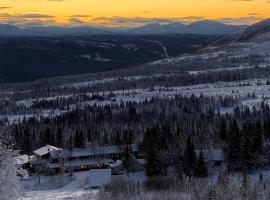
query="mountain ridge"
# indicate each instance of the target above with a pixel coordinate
(201, 27)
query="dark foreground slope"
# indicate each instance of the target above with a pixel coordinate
(24, 59)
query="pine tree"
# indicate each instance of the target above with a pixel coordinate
(127, 161)
(118, 138)
(59, 137)
(247, 157)
(258, 143)
(223, 131)
(201, 168)
(153, 167)
(190, 159)
(79, 141)
(234, 147)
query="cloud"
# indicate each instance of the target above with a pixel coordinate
(81, 16)
(253, 14)
(27, 19)
(4, 7)
(241, 20)
(136, 21)
(145, 11)
(241, 0)
(35, 16)
(75, 21)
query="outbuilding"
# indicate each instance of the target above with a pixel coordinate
(99, 177)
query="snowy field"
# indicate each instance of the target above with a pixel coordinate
(248, 93)
(75, 190)
(239, 89)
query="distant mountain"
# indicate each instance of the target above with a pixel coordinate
(60, 31)
(212, 27)
(155, 28)
(6, 29)
(202, 27)
(259, 30)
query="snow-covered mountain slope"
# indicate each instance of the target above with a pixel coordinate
(258, 32)
(249, 49)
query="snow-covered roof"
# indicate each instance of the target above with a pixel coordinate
(79, 152)
(45, 150)
(75, 163)
(212, 154)
(23, 159)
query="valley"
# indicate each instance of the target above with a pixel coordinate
(172, 120)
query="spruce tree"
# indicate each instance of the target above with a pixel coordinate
(201, 168)
(190, 159)
(127, 161)
(153, 167)
(234, 147)
(223, 131)
(59, 137)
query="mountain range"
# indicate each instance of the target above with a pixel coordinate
(201, 27)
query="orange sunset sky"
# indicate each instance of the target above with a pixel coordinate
(130, 12)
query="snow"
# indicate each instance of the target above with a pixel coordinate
(44, 150)
(212, 154)
(262, 49)
(73, 191)
(101, 59)
(135, 176)
(71, 194)
(77, 152)
(23, 159)
(241, 90)
(14, 119)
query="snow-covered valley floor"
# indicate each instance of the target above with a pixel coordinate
(248, 93)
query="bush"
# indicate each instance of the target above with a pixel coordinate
(158, 184)
(120, 189)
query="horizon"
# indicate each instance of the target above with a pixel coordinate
(130, 13)
(122, 27)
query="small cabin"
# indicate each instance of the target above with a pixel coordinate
(43, 153)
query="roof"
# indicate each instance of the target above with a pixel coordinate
(23, 159)
(74, 163)
(45, 150)
(79, 152)
(212, 154)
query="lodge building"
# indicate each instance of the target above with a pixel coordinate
(80, 159)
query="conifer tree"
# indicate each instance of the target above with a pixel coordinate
(153, 167)
(201, 168)
(190, 159)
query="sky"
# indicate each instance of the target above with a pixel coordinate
(118, 13)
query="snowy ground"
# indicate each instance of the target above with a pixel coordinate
(73, 191)
(62, 194)
(248, 93)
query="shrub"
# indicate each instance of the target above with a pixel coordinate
(158, 184)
